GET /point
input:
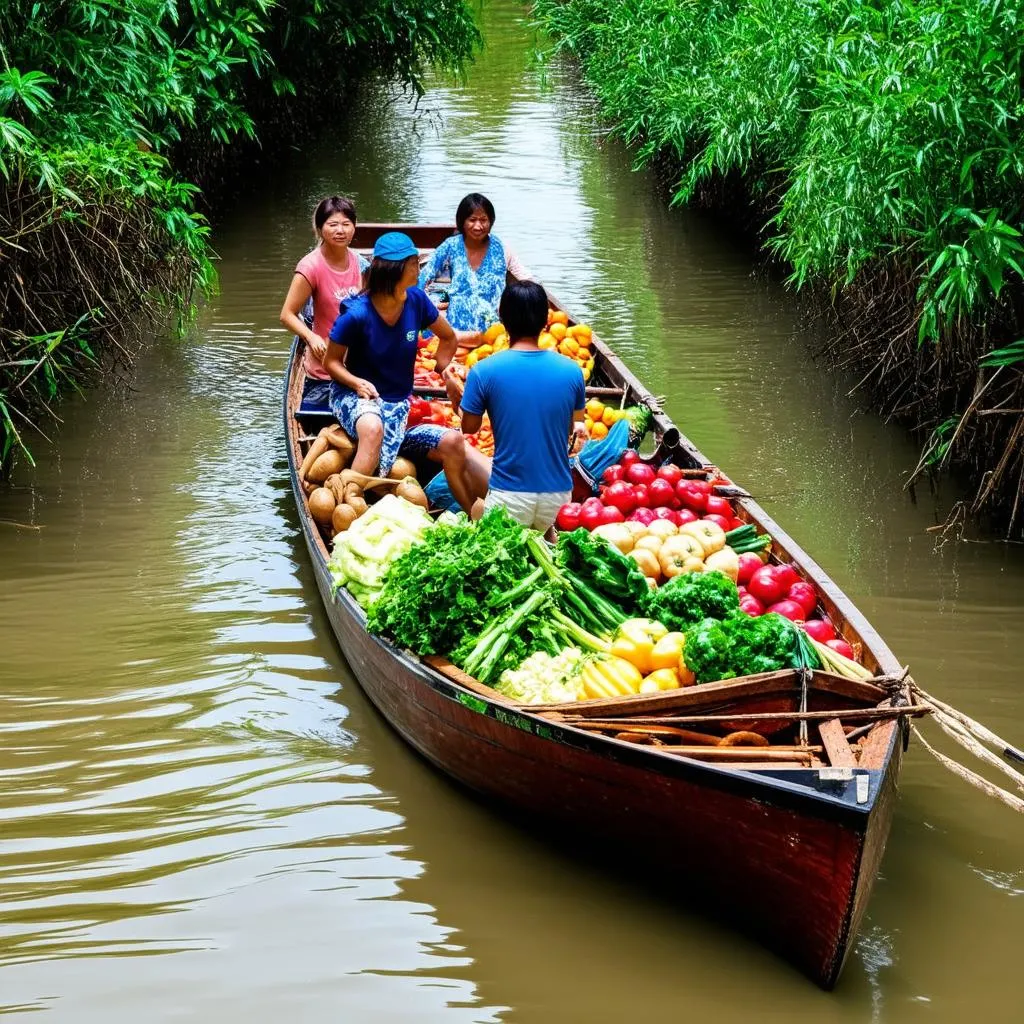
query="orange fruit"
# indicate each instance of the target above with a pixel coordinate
(493, 332)
(501, 343)
(558, 316)
(594, 408)
(484, 351)
(471, 359)
(588, 423)
(558, 330)
(568, 347)
(586, 373)
(580, 331)
(590, 365)
(598, 431)
(609, 417)
(546, 340)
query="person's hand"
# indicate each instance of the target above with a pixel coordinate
(364, 388)
(440, 306)
(453, 386)
(318, 347)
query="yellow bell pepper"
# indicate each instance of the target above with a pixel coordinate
(667, 651)
(610, 677)
(660, 679)
(634, 641)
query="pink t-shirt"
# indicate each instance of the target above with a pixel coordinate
(329, 286)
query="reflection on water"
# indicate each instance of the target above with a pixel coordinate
(187, 768)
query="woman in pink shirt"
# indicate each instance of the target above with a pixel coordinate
(327, 275)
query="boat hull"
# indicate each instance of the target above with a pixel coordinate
(791, 870)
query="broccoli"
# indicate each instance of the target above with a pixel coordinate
(741, 645)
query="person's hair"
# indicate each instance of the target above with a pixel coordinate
(523, 309)
(326, 209)
(384, 275)
(469, 205)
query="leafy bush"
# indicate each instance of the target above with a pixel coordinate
(882, 143)
(96, 101)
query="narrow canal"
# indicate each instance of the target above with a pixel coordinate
(200, 816)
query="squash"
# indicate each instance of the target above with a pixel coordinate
(411, 491)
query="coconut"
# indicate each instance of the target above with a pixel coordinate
(321, 505)
(326, 465)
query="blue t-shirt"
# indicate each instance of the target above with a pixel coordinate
(531, 396)
(383, 354)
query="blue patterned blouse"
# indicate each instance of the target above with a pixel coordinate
(473, 294)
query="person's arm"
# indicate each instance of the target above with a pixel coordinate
(299, 293)
(515, 267)
(579, 414)
(342, 333)
(472, 405)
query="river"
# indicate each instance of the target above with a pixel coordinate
(200, 816)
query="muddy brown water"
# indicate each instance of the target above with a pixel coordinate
(200, 816)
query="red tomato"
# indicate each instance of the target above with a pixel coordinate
(620, 495)
(786, 575)
(720, 520)
(610, 514)
(684, 516)
(690, 495)
(704, 486)
(765, 587)
(612, 474)
(749, 564)
(840, 647)
(643, 515)
(642, 496)
(734, 524)
(439, 419)
(803, 593)
(663, 512)
(591, 517)
(719, 507)
(568, 517)
(820, 630)
(751, 605)
(790, 609)
(673, 474)
(640, 473)
(628, 457)
(662, 493)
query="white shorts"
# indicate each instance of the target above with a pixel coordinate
(536, 509)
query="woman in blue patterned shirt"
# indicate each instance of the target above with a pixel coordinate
(477, 265)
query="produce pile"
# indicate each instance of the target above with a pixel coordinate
(336, 495)
(422, 410)
(551, 624)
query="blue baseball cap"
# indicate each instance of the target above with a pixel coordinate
(395, 246)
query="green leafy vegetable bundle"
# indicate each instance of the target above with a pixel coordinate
(437, 594)
(742, 645)
(603, 568)
(689, 598)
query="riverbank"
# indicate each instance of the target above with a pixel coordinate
(112, 120)
(877, 150)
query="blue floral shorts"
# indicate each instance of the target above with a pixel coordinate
(414, 443)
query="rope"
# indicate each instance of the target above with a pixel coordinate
(972, 777)
(967, 732)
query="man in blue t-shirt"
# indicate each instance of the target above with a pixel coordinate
(533, 397)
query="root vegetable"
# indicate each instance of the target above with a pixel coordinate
(321, 505)
(316, 449)
(338, 439)
(402, 468)
(353, 494)
(343, 517)
(411, 491)
(326, 465)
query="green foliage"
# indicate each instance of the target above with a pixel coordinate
(97, 100)
(871, 130)
(690, 598)
(882, 145)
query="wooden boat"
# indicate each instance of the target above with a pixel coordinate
(783, 842)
